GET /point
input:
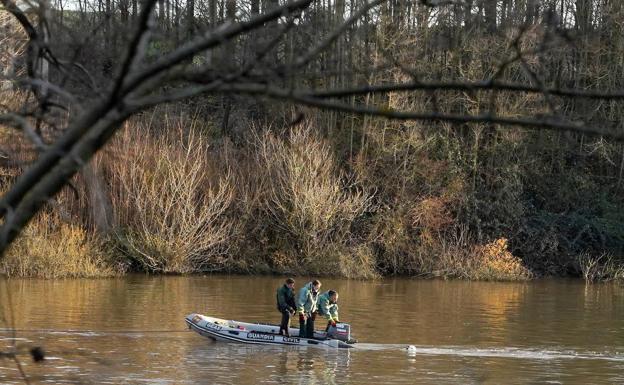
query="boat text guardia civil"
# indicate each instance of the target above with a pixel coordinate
(255, 333)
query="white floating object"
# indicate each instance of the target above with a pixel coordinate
(411, 349)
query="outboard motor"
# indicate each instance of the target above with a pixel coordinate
(342, 332)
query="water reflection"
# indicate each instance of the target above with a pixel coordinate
(245, 364)
(131, 330)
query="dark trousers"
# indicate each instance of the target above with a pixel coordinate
(306, 328)
(285, 324)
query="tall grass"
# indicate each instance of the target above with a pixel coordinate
(49, 247)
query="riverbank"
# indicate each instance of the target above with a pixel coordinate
(172, 196)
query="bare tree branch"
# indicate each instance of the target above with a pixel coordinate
(21, 18)
(548, 122)
(23, 124)
(92, 130)
(441, 3)
(135, 48)
(486, 85)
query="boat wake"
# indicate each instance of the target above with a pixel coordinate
(411, 350)
(504, 352)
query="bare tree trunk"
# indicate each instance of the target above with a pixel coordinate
(531, 11)
(190, 17)
(107, 24)
(490, 15)
(231, 45)
(108, 40)
(99, 202)
(468, 14)
(583, 15)
(212, 10)
(161, 11)
(124, 11)
(228, 62)
(271, 32)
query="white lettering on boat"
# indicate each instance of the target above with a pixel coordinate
(291, 339)
(213, 326)
(260, 336)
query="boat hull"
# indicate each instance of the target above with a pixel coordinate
(256, 334)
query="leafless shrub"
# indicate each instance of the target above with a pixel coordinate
(601, 268)
(309, 198)
(170, 209)
(13, 43)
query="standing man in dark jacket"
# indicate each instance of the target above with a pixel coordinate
(286, 304)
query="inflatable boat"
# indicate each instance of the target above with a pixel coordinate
(256, 333)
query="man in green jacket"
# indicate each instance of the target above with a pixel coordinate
(328, 307)
(306, 307)
(286, 304)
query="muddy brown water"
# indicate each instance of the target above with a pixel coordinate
(131, 331)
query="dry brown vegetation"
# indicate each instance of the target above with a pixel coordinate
(235, 185)
(52, 248)
(177, 201)
(169, 200)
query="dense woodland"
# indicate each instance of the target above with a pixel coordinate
(499, 157)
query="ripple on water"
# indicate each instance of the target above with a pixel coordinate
(131, 331)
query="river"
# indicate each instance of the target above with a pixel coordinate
(131, 331)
